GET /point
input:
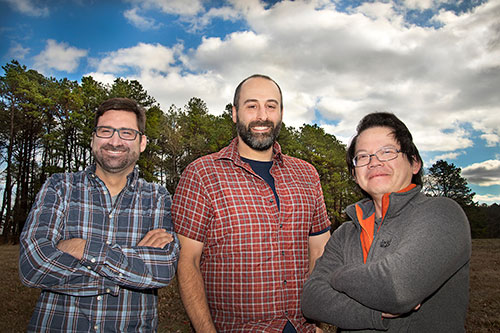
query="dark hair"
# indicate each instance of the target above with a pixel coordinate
(237, 92)
(123, 104)
(401, 134)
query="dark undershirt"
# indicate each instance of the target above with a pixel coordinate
(262, 169)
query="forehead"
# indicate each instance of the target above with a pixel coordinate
(259, 88)
(118, 119)
(376, 137)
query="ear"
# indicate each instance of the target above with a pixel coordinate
(354, 176)
(144, 143)
(235, 115)
(416, 165)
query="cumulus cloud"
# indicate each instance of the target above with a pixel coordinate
(28, 7)
(486, 173)
(59, 56)
(141, 22)
(336, 66)
(138, 59)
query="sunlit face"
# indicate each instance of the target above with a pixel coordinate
(115, 155)
(259, 116)
(378, 178)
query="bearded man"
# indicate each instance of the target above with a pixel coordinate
(100, 242)
(251, 222)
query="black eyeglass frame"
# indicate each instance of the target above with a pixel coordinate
(118, 130)
(356, 165)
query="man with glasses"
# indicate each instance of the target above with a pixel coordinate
(100, 242)
(402, 263)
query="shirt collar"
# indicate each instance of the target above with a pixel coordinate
(131, 178)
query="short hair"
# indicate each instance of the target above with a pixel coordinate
(237, 92)
(123, 104)
(401, 134)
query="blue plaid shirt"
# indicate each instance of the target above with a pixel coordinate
(114, 286)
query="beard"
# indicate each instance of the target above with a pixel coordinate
(258, 141)
(113, 164)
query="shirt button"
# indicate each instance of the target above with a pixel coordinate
(284, 282)
(92, 260)
(283, 252)
(281, 225)
(120, 275)
(108, 242)
(108, 290)
(89, 267)
(110, 216)
(99, 297)
(96, 327)
(271, 200)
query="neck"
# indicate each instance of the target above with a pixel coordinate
(245, 151)
(377, 202)
(115, 182)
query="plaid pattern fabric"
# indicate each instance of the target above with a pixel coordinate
(255, 258)
(113, 287)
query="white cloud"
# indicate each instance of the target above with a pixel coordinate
(17, 51)
(486, 173)
(59, 56)
(334, 67)
(140, 58)
(28, 7)
(106, 79)
(448, 156)
(178, 7)
(141, 22)
(487, 198)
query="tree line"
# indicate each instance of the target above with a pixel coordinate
(46, 126)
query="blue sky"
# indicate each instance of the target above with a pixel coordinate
(434, 63)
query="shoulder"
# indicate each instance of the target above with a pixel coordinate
(300, 166)
(155, 188)
(64, 179)
(436, 205)
(440, 210)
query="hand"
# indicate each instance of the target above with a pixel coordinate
(391, 315)
(156, 238)
(73, 246)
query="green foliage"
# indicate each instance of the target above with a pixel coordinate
(445, 180)
(46, 126)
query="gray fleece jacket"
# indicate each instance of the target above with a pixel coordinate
(420, 255)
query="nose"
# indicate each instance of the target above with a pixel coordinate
(261, 112)
(115, 138)
(374, 161)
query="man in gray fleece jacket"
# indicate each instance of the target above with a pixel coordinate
(402, 263)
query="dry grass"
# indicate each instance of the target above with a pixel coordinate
(483, 316)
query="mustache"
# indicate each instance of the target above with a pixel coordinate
(111, 147)
(258, 123)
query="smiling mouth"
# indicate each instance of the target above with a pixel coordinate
(378, 175)
(261, 128)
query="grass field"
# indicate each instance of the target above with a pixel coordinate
(483, 315)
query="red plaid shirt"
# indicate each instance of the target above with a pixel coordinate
(255, 257)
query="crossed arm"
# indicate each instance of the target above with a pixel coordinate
(85, 267)
(359, 295)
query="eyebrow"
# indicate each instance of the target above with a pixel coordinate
(382, 147)
(251, 100)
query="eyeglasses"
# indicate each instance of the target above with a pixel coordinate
(107, 132)
(384, 154)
